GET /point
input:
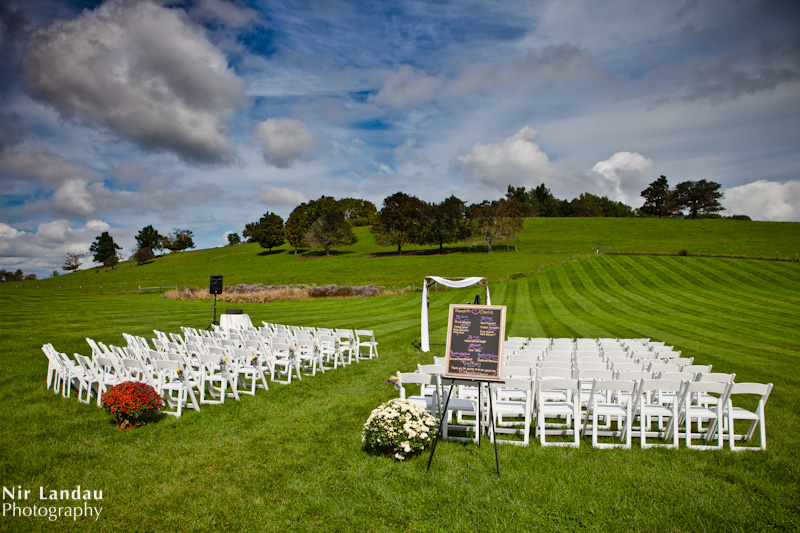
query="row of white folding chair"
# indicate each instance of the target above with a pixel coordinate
(199, 370)
(681, 402)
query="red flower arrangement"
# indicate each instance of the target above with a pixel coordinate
(128, 402)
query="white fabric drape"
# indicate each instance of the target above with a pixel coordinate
(454, 283)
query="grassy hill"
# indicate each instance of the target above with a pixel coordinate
(290, 459)
(544, 242)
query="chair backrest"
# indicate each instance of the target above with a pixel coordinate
(659, 385)
(613, 385)
(696, 369)
(680, 376)
(430, 369)
(562, 373)
(759, 389)
(415, 378)
(680, 361)
(716, 376)
(695, 390)
(168, 365)
(635, 375)
(524, 385)
(517, 371)
(544, 384)
(592, 374)
(658, 366)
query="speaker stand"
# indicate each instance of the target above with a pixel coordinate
(214, 322)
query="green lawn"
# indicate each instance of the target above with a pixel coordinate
(290, 458)
(545, 242)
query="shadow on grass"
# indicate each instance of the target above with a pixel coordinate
(321, 253)
(272, 252)
(466, 249)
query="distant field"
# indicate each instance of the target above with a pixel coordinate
(290, 459)
(544, 243)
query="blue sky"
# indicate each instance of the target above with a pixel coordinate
(205, 114)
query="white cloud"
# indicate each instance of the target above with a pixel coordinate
(514, 161)
(225, 12)
(623, 176)
(406, 87)
(764, 200)
(41, 166)
(272, 195)
(407, 153)
(285, 141)
(45, 249)
(542, 67)
(141, 70)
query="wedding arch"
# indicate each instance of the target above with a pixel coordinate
(457, 283)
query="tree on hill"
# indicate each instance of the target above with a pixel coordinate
(267, 232)
(494, 221)
(234, 239)
(149, 237)
(549, 205)
(73, 261)
(358, 212)
(659, 200)
(398, 222)
(179, 240)
(143, 255)
(105, 250)
(590, 205)
(523, 203)
(296, 228)
(443, 223)
(699, 197)
(330, 229)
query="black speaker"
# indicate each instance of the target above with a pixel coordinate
(216, 285)
(233, 312)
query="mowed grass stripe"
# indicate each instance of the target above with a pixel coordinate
(736, 310)
(756, 276)
(710, 323)
(748, 298)
(558, 312)
(612, 305)
(662, 305)
(575, 302)
(712, 272)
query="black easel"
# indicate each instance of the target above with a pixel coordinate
(478, 429)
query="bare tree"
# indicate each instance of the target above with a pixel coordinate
(73, 261)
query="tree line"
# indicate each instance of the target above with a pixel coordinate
(105, 251)
(404, 219)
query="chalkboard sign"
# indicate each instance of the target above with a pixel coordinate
(475, 336)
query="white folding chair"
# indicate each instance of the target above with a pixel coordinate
(215, 378)
(693, 410)
(453, 404)
(176, 386)
(558, 398)
(610, 399)
(756, 417)
(429, 402)
(512, 405)
(365, 338)
(655, 400)
(248, 371)
(283, 360)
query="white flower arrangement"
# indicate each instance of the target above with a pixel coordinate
(399, 429)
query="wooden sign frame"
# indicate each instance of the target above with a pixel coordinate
(475, 335)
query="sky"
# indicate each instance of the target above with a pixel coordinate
(206, 114)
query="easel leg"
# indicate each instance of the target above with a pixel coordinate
(494, 436)
(441, 423)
